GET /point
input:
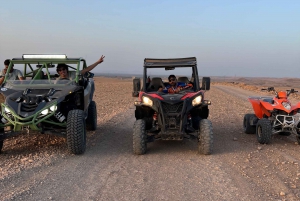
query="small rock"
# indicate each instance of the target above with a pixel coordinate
(30, 161)
(259, 148)
(235, 139)
(282, 193)
(24, 159)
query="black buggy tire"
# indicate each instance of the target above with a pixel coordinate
(76, 132)
(91, 120)
(264, 131)
(249, 129)
(139, 137)
(205, 138)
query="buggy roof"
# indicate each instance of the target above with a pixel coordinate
(175, 62)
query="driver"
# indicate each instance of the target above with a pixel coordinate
(174, 87)
(63, 72)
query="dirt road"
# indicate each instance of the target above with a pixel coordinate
(35, 167)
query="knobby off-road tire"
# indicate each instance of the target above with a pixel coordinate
(139, 137)
(249, 129)
(205, 138)
(76, 132)
(263, 131)
(91, 120)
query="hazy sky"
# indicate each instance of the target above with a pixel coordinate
(229, 38)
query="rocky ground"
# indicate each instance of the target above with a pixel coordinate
(38, 167)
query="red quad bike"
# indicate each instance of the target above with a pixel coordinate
(273, 116)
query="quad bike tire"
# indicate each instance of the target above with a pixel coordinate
(91, 120)
(76, 132)
(205, 138)
(263, 131)
(139, 137)
(248, 128)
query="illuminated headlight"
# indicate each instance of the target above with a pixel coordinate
(197, 100)
(286, 105)
(46, 111)
(53, 108)
(147, 101)
(7, 110)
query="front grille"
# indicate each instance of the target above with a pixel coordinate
(172, 114)
(172, 108)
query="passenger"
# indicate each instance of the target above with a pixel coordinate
(174, 87)
(63, 72)
(14, 74)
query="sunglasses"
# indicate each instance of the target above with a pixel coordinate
(61, 69)
(172, 79)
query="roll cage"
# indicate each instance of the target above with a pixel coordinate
(171, 64)
(45, 64)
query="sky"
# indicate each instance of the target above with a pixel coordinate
(257, 38)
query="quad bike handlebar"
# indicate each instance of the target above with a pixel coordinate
(288, 91)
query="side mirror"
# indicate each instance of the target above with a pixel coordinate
(88, 75)
(205, 83)
(136, 87)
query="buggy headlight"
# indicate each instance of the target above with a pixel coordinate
(286, 105)
(197, 100)
(44, 112)
(53, 108)
(147, 101)
(7, 110)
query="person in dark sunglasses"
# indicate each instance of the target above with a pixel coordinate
(174, 87)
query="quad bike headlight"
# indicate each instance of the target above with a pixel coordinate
(147, 101)
(197, 100)
(286, 105)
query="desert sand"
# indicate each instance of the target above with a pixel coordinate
(38, 167)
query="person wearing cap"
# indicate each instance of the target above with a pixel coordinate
(63, 72)
(174, 87)
(14, 74)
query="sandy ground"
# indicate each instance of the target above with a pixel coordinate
(38, 167)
